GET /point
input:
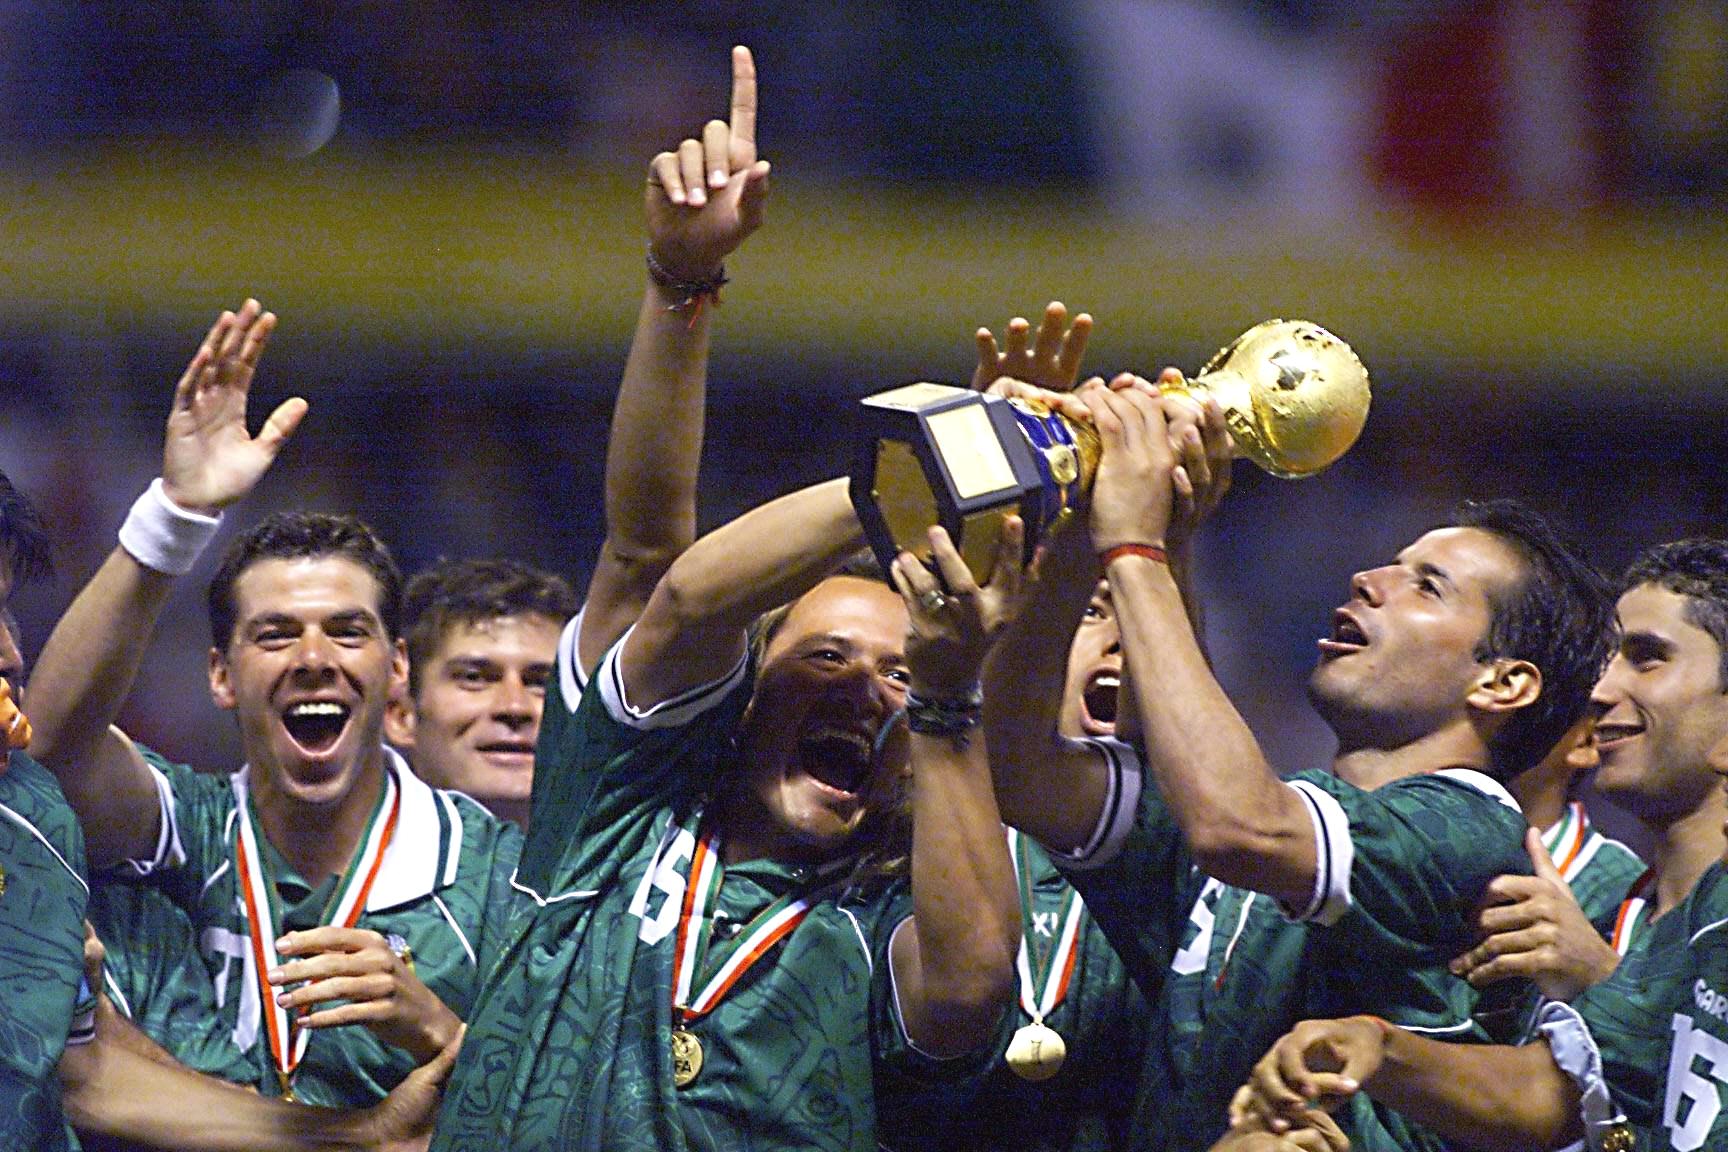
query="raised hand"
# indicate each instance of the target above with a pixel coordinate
(1534, 928)
(1318, 1133)
(379, 986)
(1133, 495)
(209, 459)
(705, 198)
(1053, 359)
(1203, 457)
(954, 621)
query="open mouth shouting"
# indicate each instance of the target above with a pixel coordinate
(1098, 702)
(1347, 636)
(838, 759)
(316, 726)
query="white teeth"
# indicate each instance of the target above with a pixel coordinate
(318, 708)
(854, 739)
(1107, 680)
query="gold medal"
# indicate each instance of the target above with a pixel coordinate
(1619, 1139)
(686, 1057)
(1036, 1052)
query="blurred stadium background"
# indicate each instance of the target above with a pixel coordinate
(1513, 209)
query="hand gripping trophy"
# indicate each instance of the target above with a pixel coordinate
(1294, 395)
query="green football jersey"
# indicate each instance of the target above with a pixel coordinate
(1068, 967)
(43, 997)
(1600, 871)
(1400, 871)
(1661, 1023)
(442, 886)
(570, 1046)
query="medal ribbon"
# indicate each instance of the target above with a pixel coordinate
(1567, 838)
(1632, 911)
(720, 971)
(1044, 980)
(287, 1043)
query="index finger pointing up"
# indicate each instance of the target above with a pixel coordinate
(744, 99)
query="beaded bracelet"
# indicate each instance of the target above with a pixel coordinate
(692, 293)
(944, 717)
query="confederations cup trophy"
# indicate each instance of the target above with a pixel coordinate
(1294, 395)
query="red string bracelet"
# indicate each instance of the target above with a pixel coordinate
(1150, 551)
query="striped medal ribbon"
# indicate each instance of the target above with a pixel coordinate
(1634, 911)
(263, 916)
(1567, 838)
(1037, 1051)
(702, 975)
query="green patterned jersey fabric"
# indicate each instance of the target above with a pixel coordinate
(1661, 1023)
(1599, 870)
(43, 996)
(1090, 1104)
(569, 1047)
(155, 976)
(443, 886)
(1400, 872)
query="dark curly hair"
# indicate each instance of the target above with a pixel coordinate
(1698, 570)
(304, 536)
(452, 593)
(1559, 616)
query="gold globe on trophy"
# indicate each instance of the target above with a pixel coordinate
(1294, 396)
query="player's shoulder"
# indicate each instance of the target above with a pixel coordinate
(31, 797)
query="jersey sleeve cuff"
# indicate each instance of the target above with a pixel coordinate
(1124, 778)
(572, 681)
(169, 852)
(1333, 855)
(83, 1029)
(1576, 1054)
(670, 713)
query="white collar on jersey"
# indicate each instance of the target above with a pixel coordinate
(426, 848)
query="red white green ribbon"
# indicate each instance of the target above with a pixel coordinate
(1633, 911)
(1044, 976)
(263, 917)
(1566, 839)
(703, 975)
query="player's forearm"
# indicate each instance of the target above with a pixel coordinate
(966, 908)
(111, 1090)
(76, 691)
(1486, 1096)
(1025, 676)
(764, 558)
(1243, 824)
(653, 453)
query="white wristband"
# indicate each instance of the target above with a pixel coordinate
(164, 536)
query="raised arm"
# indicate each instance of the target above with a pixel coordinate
(693, 629)
(702, 201)
(1243, 825)
(209, 461)
(954, 961)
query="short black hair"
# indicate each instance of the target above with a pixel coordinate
(305, 536)
(1698, 570)
(29, 556)
(1559, 616)
(452, 593)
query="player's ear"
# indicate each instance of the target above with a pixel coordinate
(221, 687)
(400, 720)
(1506, 685)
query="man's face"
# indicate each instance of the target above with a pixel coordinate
(307, 674)
(812, 749)
(1094, 671)
(1662, 709)
(1399, 661)
(473, 723)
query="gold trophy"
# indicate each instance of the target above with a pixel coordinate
(1294, 396)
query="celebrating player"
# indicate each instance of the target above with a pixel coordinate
(344, 909)
(1656, 1039)
(1461, 662)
